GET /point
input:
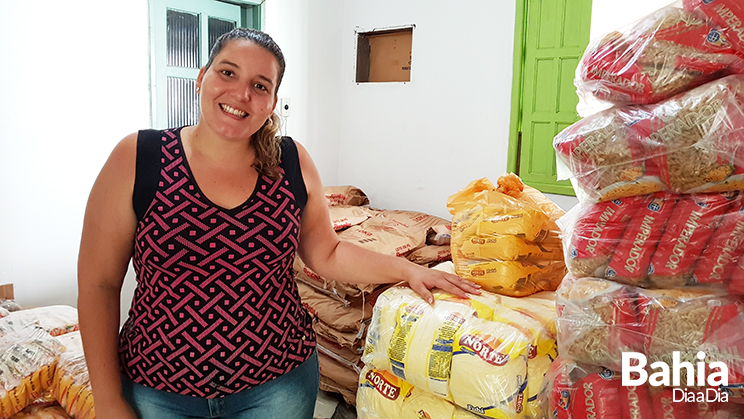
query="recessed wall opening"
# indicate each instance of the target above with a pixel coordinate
(384, 55)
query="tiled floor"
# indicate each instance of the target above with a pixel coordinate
(330, 406)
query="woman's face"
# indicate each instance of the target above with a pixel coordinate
(238, 90)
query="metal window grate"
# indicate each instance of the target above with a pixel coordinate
(183, 104)
(217, 27)
(183, 39)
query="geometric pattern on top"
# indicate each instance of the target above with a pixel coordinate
(216, 309)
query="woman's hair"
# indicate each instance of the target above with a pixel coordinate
(265, 140)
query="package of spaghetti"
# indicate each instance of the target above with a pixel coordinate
(692, 142)
(383, 395)
(71, 387)
(667, 52)
(489, 368)
(727, 14)
(593, 233)
(505, 237)
(413, 339)
(597, 321)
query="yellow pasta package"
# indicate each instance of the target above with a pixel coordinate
(505, 237)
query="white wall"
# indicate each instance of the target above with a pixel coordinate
(76, 81)
(73, 83)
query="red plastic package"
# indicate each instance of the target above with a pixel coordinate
(597, 232)
(721, 255)
(598, 396)
(685, 236)
(728, 14)
(689, 143)
(667, 52)
(631, 260)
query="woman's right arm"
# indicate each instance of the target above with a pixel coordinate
(106, 247)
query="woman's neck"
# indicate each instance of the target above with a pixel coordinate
(200, 142)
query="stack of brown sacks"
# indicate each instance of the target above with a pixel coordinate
(342, 311)
(654, 247)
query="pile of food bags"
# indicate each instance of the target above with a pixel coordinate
(654, 246)
(35, 348)
(505, 237)
(485, 355)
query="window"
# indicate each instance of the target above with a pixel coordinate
(181, 34)
(384, 55)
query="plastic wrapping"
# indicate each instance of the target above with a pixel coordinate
(727, 14)
(580, 391)
(657, 241)
(42, 411)
(505, 238)
(690, 143)
(487, 354)
(55, 320)
(600, 319)
(667, 52)
(27, 366)
(382, 395)
(71, 386)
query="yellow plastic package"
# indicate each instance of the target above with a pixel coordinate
(489, 369)
(382, 395)
(505, 237)
(413, 339)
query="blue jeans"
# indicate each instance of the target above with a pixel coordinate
(291, 396)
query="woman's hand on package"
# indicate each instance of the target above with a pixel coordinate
(424, 279)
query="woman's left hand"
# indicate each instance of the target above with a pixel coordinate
(424, 279)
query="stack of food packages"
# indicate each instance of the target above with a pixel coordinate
(654, 247)
(484, 356)
(342, 311)
(33, 346)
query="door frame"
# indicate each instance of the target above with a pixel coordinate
(515, 119)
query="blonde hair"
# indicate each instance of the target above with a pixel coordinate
(268, 149)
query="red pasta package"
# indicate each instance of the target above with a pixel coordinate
(597, 321)
(694, 219)
(667, 52)
(689, 143)
(631, 260)
(728, 14)
(718, 260)
(595, 234)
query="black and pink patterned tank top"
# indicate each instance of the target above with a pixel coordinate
(216, 308)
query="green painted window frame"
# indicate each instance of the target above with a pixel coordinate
(250, 16)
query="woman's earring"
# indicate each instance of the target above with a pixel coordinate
(197, 90)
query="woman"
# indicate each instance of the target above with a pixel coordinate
(211, 216)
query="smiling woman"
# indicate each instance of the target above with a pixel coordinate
(212, 216)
